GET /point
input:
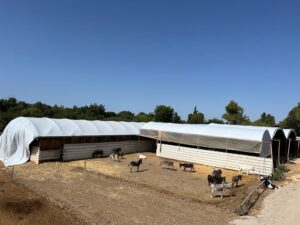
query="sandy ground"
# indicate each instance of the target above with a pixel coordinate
(282, 206)
(21, 206)
(107, 193)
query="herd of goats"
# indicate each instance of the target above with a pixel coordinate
(216, 181)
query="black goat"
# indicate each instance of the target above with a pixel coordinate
(187, 165)
(210, 180)
(268, 182)
(235, 180)
(167, 164)
(216, 172)
(97, 154)
(135, 164)
(215, 177)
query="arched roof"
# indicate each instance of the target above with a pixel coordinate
(229, 132)
(272, 130)
(290, 133)
(20, 132)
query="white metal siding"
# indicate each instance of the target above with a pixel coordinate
(214, 158)
(86, 150)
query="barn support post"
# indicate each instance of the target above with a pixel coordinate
(298, 147)
(38, 161)
(271, 147)
(288, 153)
(160, 133)
(279, 152)
(138, 144)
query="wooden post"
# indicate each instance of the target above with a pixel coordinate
(288, 154)
(298, 148)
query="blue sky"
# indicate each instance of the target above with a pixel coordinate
(134, 55)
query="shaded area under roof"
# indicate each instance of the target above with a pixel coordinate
(20, 132)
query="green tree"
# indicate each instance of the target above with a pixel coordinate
(292, 120)
(265, 120)
(126, 116)
(235, 114)
(195, 117)
(215, 120)
(176, 118)
(143, 117)
(163, 113)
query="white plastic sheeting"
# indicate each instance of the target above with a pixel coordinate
(216, 137)
(289, 132)
(20, 132)
(272, 130)
(229, 132)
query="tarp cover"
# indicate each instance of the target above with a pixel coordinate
(217, 137)
(289, 133)
(272, 130)
(20, 132)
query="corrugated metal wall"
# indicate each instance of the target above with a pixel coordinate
(263, 166)
(86, 150)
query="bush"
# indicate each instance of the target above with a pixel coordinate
(279, 172)
(282, 168)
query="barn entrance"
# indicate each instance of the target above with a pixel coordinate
(279, 148)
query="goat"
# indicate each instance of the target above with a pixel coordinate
(219, 188)
(210, 180)
(246, 169)
(235, 180)
(167, 164)
(114, 157)
(116, 154)
(215, 179)
(187, 165)
(118, 151)
(268, 182)
(97, 154)
(141, 156)
(216, 172)
(135, 164)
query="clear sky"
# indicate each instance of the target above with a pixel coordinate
(133, 55)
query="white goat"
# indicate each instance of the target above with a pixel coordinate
(219, 188)
(141, 156)
(246, 169)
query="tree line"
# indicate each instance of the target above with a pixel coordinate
(234, 114)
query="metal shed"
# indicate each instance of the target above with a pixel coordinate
(227, 147)
(279, 141)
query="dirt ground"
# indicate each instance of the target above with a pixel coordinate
(282, 205)
(105, 192)
(19, 205)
